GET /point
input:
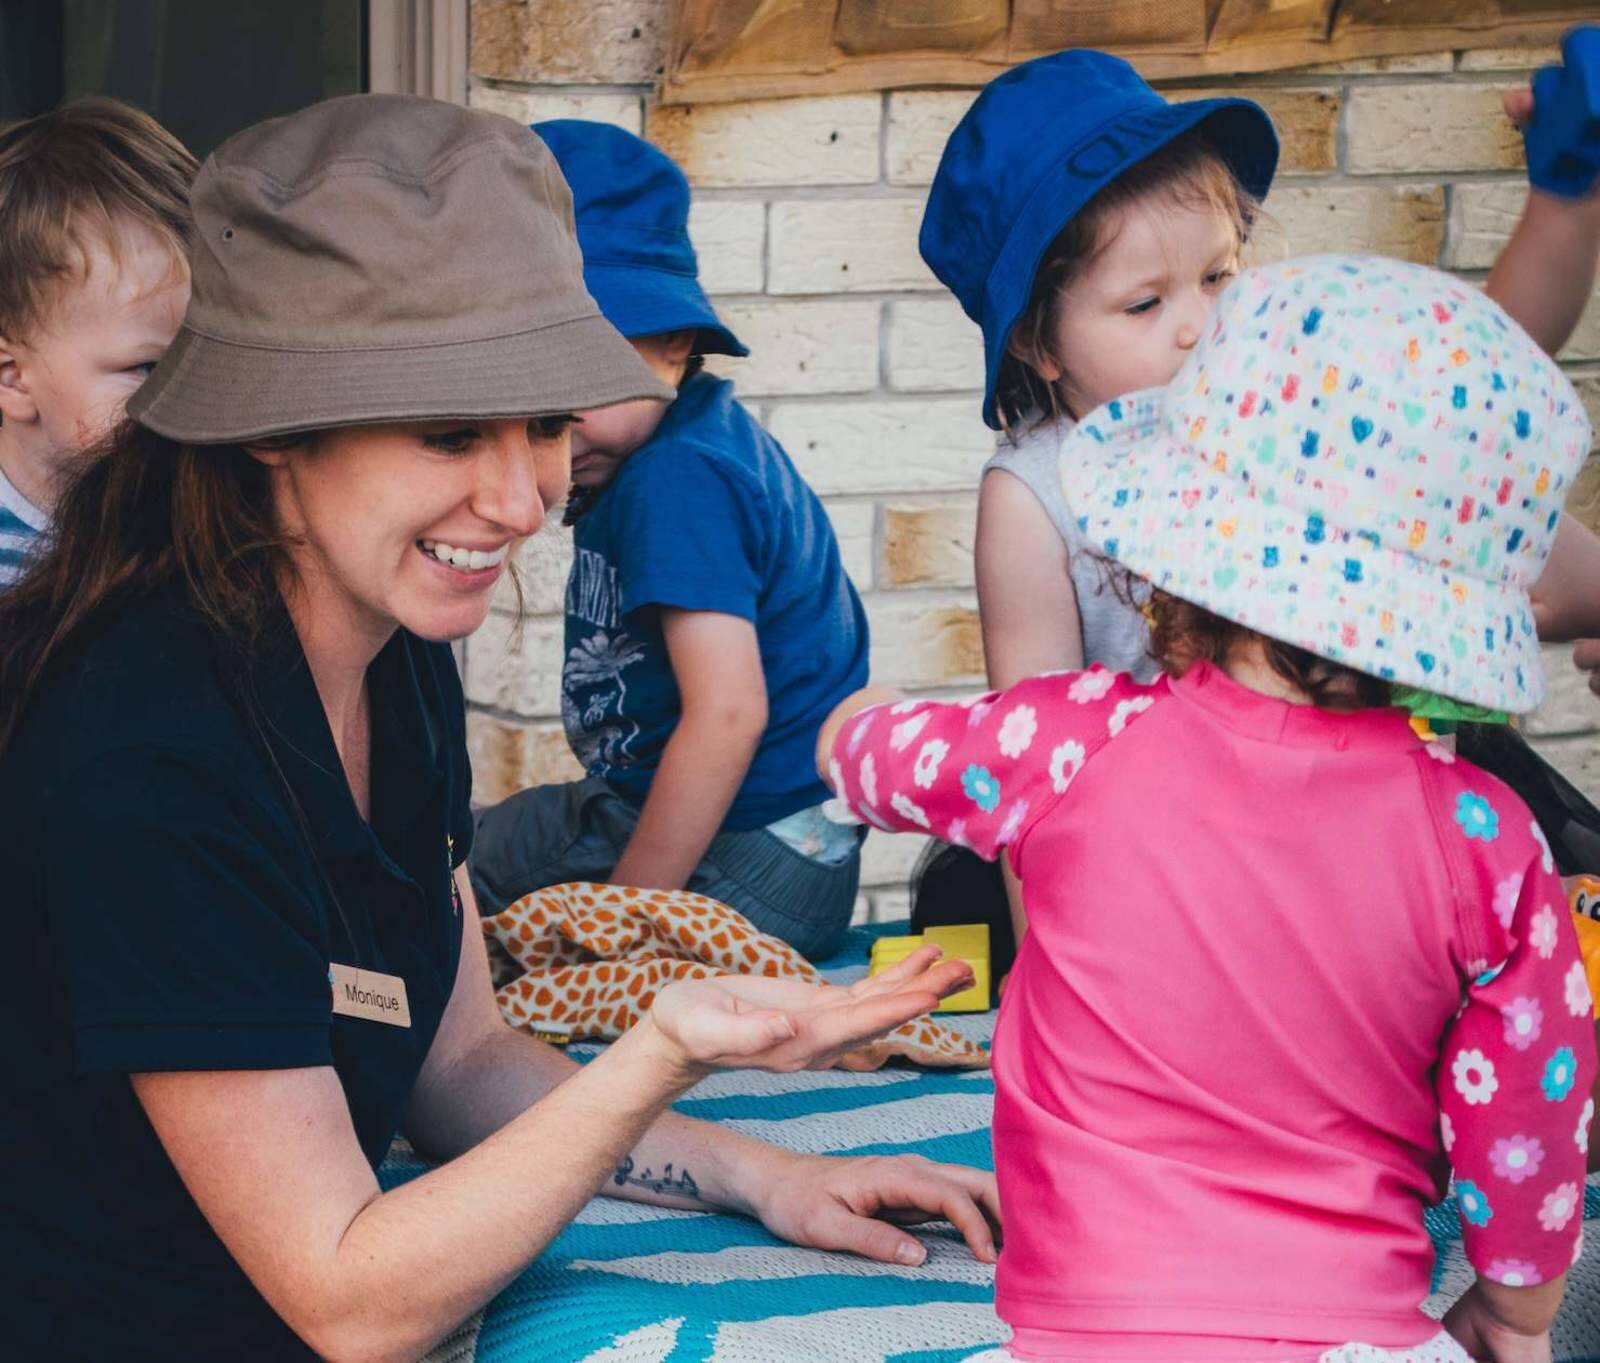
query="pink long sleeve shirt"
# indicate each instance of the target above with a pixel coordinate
(1283, 967)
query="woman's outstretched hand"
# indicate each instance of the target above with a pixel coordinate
(859, 1204)
(752, 1022)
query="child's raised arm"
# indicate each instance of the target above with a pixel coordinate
(977, 773)
(1515, 1065)
(716, 662)
(1546, 272)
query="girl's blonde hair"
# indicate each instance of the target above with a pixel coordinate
(1187, 171)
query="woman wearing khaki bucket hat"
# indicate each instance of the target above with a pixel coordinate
(233, 772)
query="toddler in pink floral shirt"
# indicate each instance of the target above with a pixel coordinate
(1366, 976)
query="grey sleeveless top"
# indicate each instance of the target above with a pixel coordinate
(1114, 632)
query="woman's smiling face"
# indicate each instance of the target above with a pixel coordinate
(411, 524)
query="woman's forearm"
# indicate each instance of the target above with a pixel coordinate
(678, 1162)
(416, 1261)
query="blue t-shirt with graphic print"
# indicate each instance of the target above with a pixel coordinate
(21, 524)
(708, 515)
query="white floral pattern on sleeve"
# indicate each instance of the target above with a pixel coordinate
(1518, 1060)
(979, 771)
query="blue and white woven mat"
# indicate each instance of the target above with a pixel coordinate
(632, 1284)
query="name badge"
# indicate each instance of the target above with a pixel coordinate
(367, 994)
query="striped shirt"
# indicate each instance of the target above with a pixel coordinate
(21, 522)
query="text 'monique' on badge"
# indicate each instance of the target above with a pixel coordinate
(367, 994)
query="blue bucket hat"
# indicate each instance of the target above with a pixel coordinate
(1037, 144)
(632, 207)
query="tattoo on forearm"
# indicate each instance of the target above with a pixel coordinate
(680, 1184)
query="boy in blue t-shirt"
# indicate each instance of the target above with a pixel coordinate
(710, 624)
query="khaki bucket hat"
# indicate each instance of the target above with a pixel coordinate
(384, 258)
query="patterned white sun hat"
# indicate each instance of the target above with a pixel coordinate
(1361, 457)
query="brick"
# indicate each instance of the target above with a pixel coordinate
(1584, 343)
(854, 526)
(920, 122)
(846, 246)
(1507, 58)
(543, 562)
(517, 673)
(1412, 64)
(1406, 221)
(1569, 706)
(1587, 382)
(928, 545)
(1578, 759)
(822, 347)
(1419, 129)
(569, 42)
(1584, 499)
(925, 640)
(933, 347)
(1307, 121)
(730, 239)
(828, 141)
(885, 447)
(534, 106)
(887, 859)
(1481, 218)
(508, 756)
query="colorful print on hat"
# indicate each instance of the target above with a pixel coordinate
(1037, 144)
(1362, 457)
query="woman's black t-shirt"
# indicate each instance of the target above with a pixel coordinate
(171, 909)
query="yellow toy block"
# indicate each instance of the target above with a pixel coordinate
(967, 942)
(1585, 900)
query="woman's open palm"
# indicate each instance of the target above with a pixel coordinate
(753, 1022)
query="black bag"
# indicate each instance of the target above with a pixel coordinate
(950, 885)
(1570, 822)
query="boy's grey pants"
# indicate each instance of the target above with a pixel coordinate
(552, 834)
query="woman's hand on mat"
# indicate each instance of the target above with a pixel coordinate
(1506, 1324)
(858, 1205)
(753, 1022)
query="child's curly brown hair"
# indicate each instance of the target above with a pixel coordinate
(1182, 633)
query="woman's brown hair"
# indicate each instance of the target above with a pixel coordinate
(142, 514)
(1187, 171)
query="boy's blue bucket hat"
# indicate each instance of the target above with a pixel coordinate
(632, 207)
(1037, 144)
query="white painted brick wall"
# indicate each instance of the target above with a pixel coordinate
(846, 246)
(730, 239)
(1417, 129)
(805, 219)
(829, 346)
(933, 346)
(855, 527)
(779, 142)
(535, 106)
(919, 123)
(884, 446)
(1481, 218)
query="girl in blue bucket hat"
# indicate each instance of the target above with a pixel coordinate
(1088, 226)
